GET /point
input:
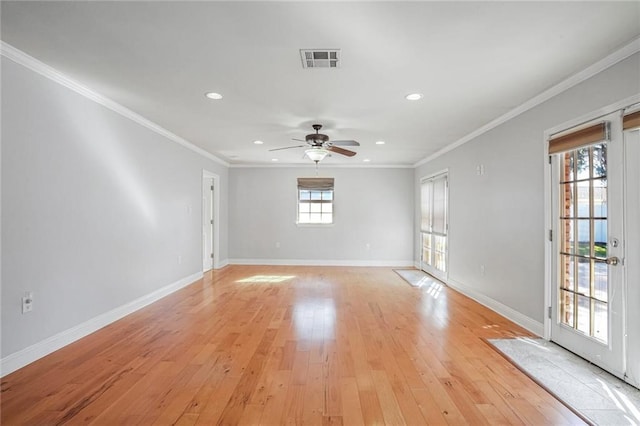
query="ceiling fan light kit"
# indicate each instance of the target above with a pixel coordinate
(320, 146)
(316, 154)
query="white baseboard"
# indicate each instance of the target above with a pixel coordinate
(222, 264)
(311, 262)
(26, 356)
(522, 320)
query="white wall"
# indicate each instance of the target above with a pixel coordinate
(497, 220)
(372, 206)
(96, 209)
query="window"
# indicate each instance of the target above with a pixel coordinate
(315, 201)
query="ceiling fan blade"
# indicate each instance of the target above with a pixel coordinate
(342, 151)
(345, 143)
(287, 147)
(299, 140)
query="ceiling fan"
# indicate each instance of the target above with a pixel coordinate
(320, 146)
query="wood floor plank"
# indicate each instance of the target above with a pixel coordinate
(276, 345)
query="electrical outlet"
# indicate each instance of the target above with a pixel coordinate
(27, 302)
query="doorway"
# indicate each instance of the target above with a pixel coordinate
(434, 228)
(210, 220)
(593, 188)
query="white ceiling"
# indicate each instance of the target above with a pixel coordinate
(473, 61)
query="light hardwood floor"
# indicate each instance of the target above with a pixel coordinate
(288, 345)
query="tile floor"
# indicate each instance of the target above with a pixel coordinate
(599, 396)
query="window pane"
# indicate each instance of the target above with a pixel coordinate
(327, 195)
(304, 207)
(583, 199)
(327, 218)
(568, 209)
(327, 207)
(303, 218)
(305, 195)
(440, 243)
(600, 160)
(583, 163)
(426, 249)
(584, 237)
(584, 314)
(600, 198)
(600, 237)
(315, 217)
(569, 166)
(600, 323)
(583, 275)
(568, 240)
(566, 308)
(600, 281)
(316, 208)
(316, 195)
(568, 264)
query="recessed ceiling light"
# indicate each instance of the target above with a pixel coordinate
(258, 142)
(413, 97)
(274, 159)
(380, 143)
(213, 95)
(366, 160)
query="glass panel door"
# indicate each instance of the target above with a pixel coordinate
(434, 224)
(587, 199)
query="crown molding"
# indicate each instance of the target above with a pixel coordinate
(321, 166)
(617, 56)
(51, 73)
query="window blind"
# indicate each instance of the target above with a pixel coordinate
(319, 184)
(631, 120)
(433, 205)
(579, 138)
(439, 223)
(425, 205)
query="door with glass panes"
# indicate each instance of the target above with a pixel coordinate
(434, 224)
(587, 302)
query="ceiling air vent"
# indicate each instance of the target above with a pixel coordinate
(320, 58)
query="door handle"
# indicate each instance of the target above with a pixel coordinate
(613, 261)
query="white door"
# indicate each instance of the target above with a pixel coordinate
(207, 223)
(434, 196)
(587, 309)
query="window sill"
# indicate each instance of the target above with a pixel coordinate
(314, 225)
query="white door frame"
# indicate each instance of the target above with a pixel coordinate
(549, 219)
(206, 176)
(632, 241)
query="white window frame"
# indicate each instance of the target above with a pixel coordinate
(322, 201)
